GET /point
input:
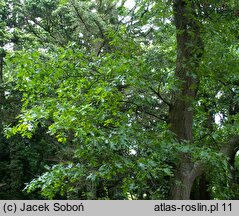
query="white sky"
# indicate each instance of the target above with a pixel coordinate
(130, 4)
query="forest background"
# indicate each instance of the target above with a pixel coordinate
(102, 99)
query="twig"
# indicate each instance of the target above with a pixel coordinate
(157, 93)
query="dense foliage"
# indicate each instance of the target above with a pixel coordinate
(106, 100)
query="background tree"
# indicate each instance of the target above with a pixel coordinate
(21, 158)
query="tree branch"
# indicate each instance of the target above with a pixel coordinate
(2, 184)
(231, 147)
(80, 17)
(160, 97)
(197, 170)
(142, 109)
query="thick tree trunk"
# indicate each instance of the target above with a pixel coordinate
(189, 51)
(185, 176)
(182, 186)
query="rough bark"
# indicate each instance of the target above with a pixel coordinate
(185, 176)
(189, 51)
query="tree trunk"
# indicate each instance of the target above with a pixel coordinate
(182, 186)
(189, 51)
